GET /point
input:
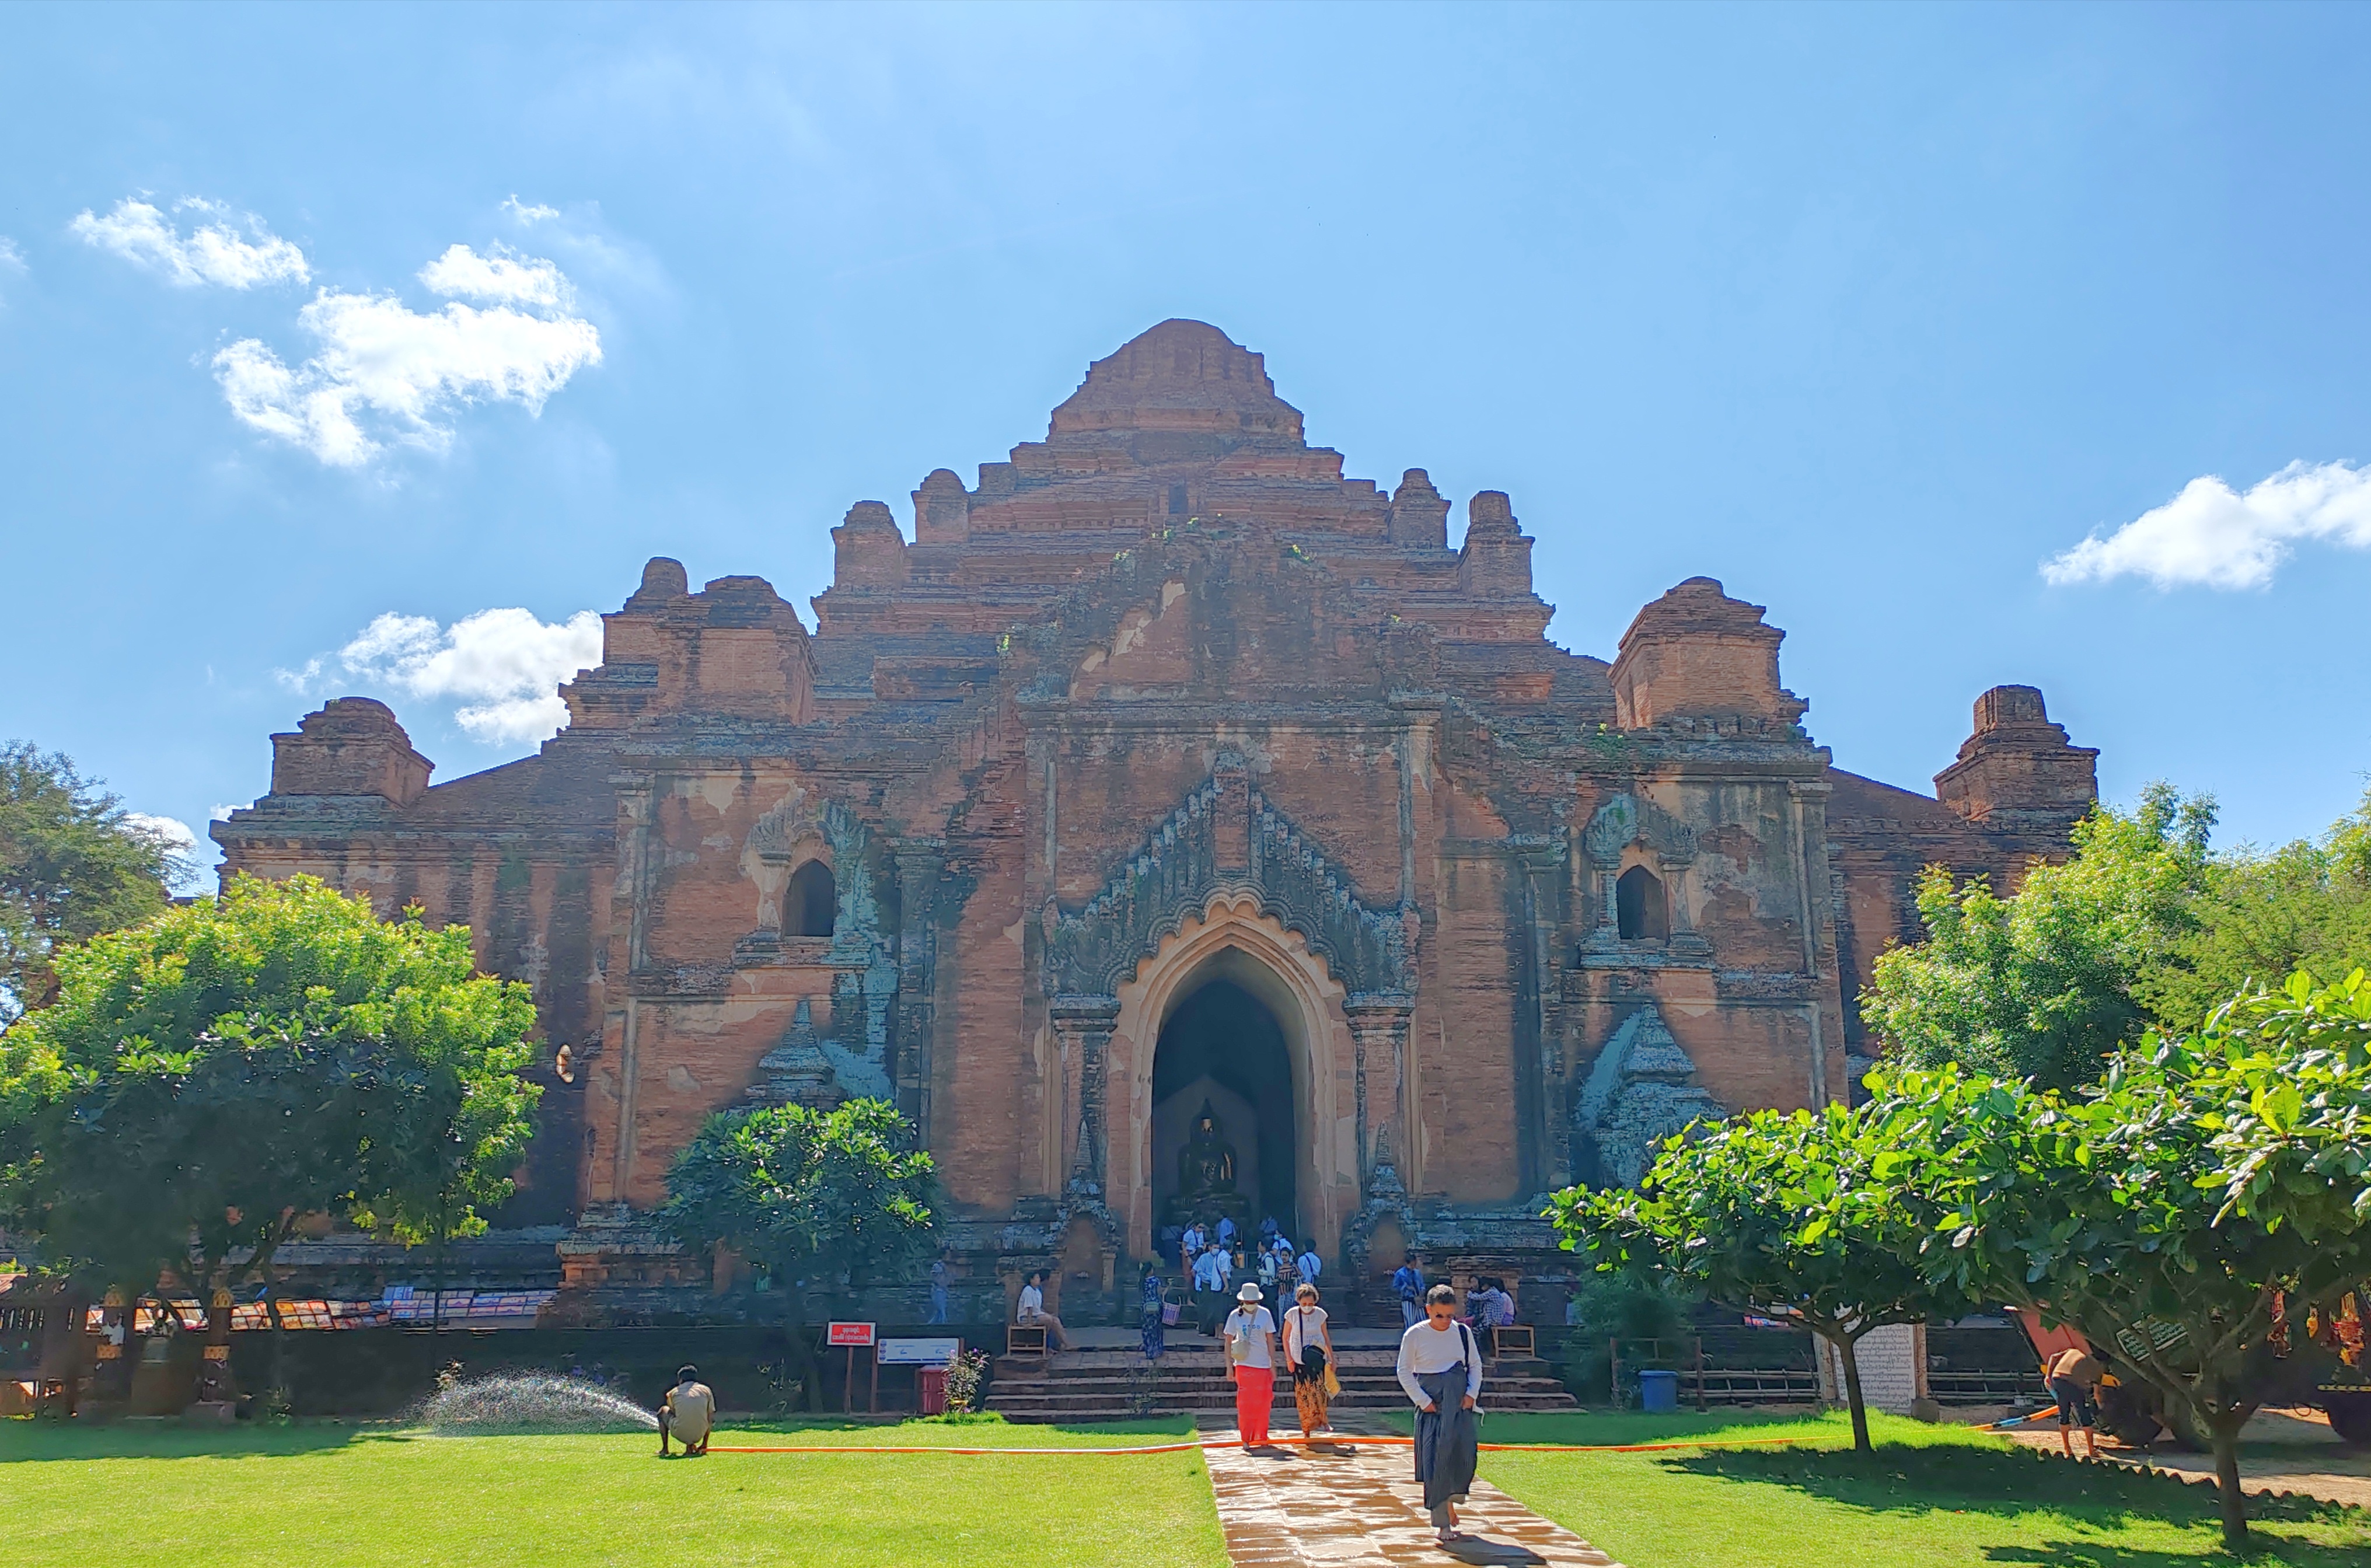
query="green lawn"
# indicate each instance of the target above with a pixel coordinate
(1929, 1497)
(316, 1496)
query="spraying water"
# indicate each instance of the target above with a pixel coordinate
(530, 1401)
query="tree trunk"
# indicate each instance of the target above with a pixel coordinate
(1847, 1352)
(2225, 1427)
(802, 1353)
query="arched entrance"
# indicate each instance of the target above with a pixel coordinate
(1222, 1111)
(1235, 1000)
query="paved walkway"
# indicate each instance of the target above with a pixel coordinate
(1358, 1507)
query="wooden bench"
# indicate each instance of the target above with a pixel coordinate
(1513, 1339)
(1024, 1339)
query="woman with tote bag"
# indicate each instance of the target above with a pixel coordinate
(1251, 1362)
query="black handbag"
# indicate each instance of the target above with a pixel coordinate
(1313, 1358)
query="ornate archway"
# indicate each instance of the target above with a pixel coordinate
(1226, 887)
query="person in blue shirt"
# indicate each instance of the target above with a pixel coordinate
(940, 1273)
(1189, 1250)
(1210, 1288)
(1226, 1231)
(1307, 1264)
(1407, 1284)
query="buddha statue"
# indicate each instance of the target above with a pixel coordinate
(1206, 1172)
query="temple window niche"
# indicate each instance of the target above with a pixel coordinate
(1642, 909)
(811, 904)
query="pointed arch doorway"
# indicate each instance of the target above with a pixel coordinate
(1233, 1000)
(1223, 1137)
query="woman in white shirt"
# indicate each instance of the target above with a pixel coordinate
(1304, 1331)
(1441, 1367)
(1031, 1313)
(1251, 1362)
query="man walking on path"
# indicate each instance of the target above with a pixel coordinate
(1441, 1367)
(1407, 1284)
(1251, 1362)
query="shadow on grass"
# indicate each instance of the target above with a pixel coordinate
(2014, 1481)
(2265, 1546)
(24, 1442)
(1613, 1426)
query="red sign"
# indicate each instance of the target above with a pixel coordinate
(851, 1335)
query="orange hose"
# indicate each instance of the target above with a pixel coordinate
(1198, 1446)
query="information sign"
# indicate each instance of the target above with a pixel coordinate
(851, 1335)
(918, 1352)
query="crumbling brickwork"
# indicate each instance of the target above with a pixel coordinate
(1159, 701)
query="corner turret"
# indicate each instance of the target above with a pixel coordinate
(2016, 768)
(351, 745)
(1696, 654)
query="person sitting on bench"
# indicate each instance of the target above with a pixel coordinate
(1031, 1313)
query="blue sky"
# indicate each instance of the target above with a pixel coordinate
(326, 331)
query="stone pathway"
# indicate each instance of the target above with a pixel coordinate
(1358, 1507)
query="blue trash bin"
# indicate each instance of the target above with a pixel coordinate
(1658, 1391)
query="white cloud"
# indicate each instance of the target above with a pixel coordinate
(2211, 536)
(171, 832)
(222, 814)
(504, 277)
(502, 665)
(217, 252)
(385, 372)
(528, 211)
(10, 256)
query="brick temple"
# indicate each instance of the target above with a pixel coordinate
(1164, 772)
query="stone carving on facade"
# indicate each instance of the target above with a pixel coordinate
(1173, 874)
(1642, 1091)
(797, 1072)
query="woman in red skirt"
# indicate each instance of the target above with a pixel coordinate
(1251, 1362)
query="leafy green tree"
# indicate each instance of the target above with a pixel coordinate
(2173, 1212)
(72, 864)
(2049, 983)
(1779, 1213)
(820, 1196)
(2262, 917)
(206, 1081)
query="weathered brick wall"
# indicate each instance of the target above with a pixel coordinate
(991, 721)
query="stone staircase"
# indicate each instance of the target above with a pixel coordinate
(1190, 1379)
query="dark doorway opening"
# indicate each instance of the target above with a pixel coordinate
(812, 904)
(1641, 912)
(1223, 1051)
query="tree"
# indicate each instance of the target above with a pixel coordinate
(1780, 1212)
(822, 1195)
(2175, 1213)
(207, 1079)
(2048, 984)
(2262, 917)
(73, 863)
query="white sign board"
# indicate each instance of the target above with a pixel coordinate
(918, 1352)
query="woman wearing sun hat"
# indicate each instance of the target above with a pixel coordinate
(1251, 1362)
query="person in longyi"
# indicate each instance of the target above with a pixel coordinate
(1441, 1367)
(1251, 1362)
(1309, 1352)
